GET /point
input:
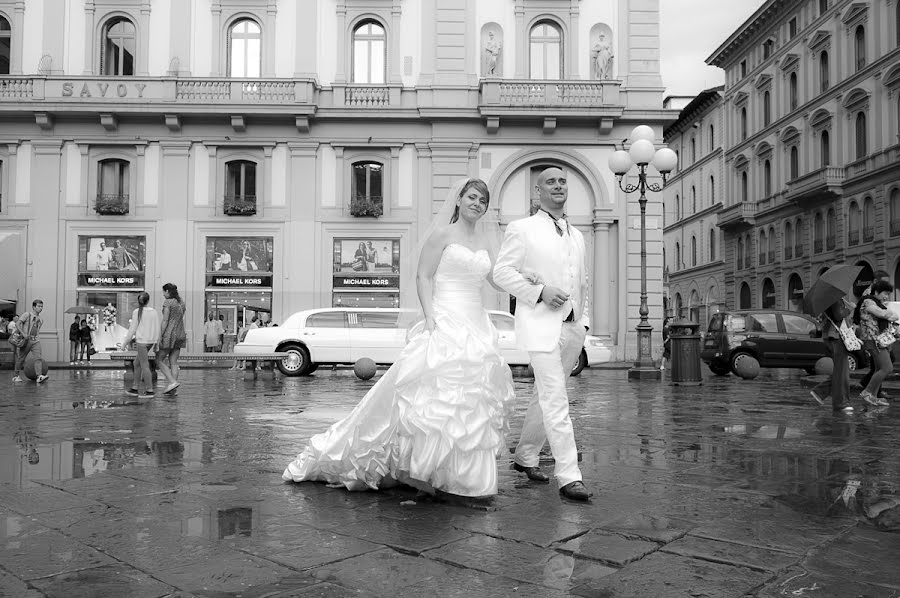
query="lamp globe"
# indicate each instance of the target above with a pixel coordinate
(620, 162)
(641, 152)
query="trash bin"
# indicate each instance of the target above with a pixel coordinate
(685, 339)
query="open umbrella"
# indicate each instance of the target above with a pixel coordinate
(835, 283)
(81, 309)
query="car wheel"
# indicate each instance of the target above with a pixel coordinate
(719, 370)
(582, 363)
(296, 363)
(745, 365)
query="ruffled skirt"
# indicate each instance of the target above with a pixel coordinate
(436, 420)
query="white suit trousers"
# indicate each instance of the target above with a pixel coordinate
(547, 417)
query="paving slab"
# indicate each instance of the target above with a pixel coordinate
(608, 548)
(383, 572)
(109, 581)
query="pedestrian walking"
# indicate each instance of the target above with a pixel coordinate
(874, 318)
(873, 366)
(28, 328)
(74, 339)
(144, 331)
(211, 337)
(222, 332)
(86, 342)
(172, 337)
(834, 317)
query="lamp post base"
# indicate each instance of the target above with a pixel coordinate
(644, 368)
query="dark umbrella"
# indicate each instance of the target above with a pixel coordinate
(831, 286)
(81, 309)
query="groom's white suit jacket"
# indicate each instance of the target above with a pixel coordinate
(533, 246)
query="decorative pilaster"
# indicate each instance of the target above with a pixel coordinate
(601, 280)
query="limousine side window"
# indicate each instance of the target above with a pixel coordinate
(372, 319)
(327, 320)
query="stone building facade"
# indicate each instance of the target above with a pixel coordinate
(249, 150)
(811, 106)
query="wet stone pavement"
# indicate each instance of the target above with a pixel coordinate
(733, 488)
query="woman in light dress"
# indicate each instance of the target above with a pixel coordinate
(437, 419)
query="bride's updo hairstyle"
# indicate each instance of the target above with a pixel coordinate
(479, 186)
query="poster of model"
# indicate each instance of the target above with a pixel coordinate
(376, 256)
(111, 253)
(239, 254)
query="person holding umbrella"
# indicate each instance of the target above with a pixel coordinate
(826, 298)
(874, 318)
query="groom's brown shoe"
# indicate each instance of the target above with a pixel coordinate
(575, 491)
(534, 473)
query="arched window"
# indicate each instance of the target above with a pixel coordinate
(693, 250)
(794, 98)
(860, 47)
(861, 142)
(761, 246)
(868, 220)
(5, 46)
(788, 241)
(240, 188)
(693, 150)
(818, 233)
(677, 208)
(693, 199)
(824, 80)
(745, 189)
(712, 190)
(745, 296)
(768, 294)
(798, 238)
(895, 211)
(118, 51)
(367, 181)
(767, 178)
(823, 7)
(712, 138)
(546, 51)
(740, 254)
(743, 123)
(830, 229)
(795, 163)
(244, 49)
(369, 53)
(897, 26)
(824, 148)
(772, 244)
(677, 256)
(767, 108)
(748, 254)
(853, 224)
(712, 244)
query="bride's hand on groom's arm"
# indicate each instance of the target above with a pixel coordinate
(553, 297)
(532, 277)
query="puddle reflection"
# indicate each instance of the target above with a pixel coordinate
(221, 524)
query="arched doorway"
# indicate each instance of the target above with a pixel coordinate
(745, 296)
(795, 293)
(768, 294)
(863, 280)
(678, 313)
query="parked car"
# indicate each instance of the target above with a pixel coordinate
(770, 338)
(343, 335)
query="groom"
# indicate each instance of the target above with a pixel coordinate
(551, 323)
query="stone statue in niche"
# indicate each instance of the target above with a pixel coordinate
(492, 48)
(602, 57)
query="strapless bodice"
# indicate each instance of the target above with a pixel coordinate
(459, 277)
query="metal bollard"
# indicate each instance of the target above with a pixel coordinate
(685, 339)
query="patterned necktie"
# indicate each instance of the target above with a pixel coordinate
(562, 227)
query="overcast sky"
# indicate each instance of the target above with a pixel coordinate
(690, 31)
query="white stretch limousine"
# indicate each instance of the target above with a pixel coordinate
(343, 335)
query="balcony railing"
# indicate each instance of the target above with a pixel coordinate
(372, 205)
(111, 204)
(895, 228)
(541, 93)
(240, 205)
(853, 237)
(868, 234)
(823, 183)
(830, 242)
(818, 245)
(737, 215)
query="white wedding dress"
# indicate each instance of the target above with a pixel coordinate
(437, 419)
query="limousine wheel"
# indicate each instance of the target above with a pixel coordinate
(296, 363)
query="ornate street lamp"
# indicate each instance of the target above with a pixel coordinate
(642, 153)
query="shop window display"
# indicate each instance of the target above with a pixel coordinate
(239, 282)
(366, 273)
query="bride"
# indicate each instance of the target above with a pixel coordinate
(437, 419)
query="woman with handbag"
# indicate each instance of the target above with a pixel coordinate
(835, 320)
(875, 330)
(27, 329)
